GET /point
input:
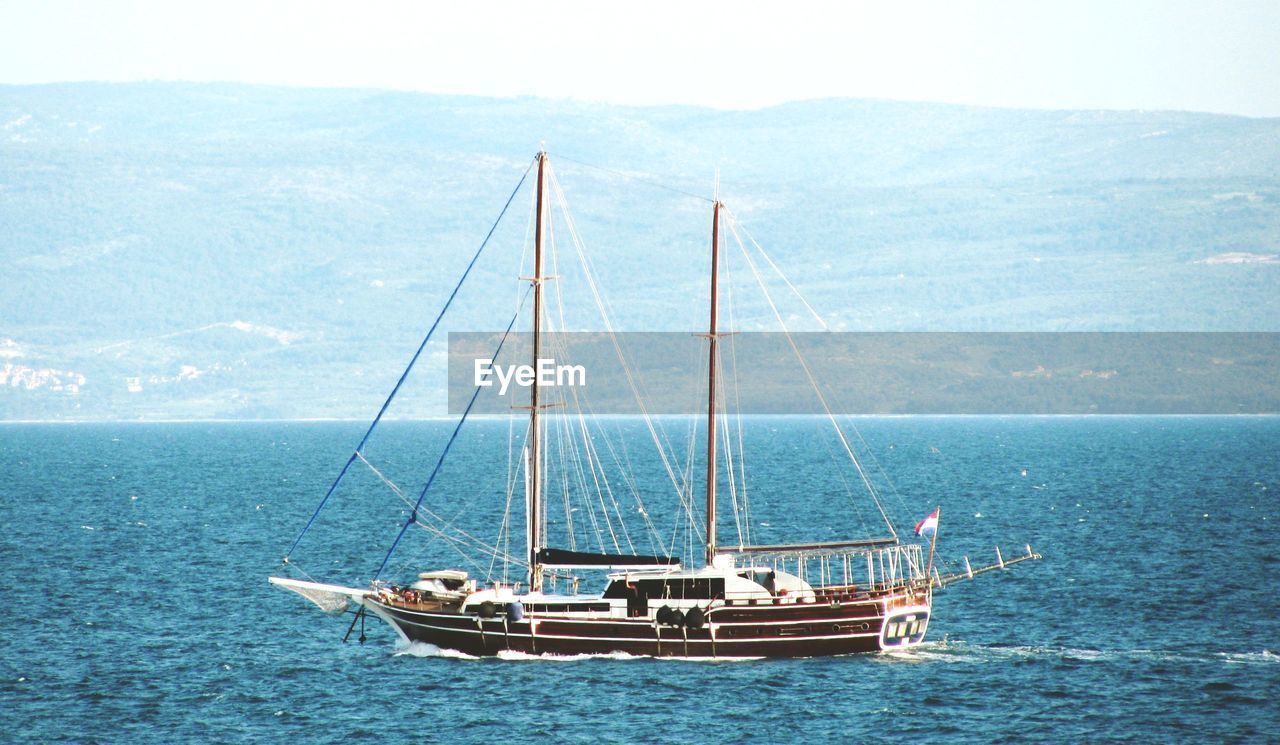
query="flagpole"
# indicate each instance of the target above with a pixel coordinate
(928, 572)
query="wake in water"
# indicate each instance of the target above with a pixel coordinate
(422, 649)
(959, 651)
(507, 654)
(1264, 657)
(944, 651)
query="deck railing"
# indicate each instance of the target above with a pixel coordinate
(866, 568)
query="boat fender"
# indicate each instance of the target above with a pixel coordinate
(695, 618)
(487, 609)
(677, 617)
(664, 615)
(515, 611)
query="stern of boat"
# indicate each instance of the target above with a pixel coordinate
(904, 627)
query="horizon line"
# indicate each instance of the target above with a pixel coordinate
(626, 105)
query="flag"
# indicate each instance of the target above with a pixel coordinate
(929, 525)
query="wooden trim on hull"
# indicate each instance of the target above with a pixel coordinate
(811, 630)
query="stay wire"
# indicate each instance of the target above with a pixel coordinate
(639, 179)
(413, 361)
(413, 516)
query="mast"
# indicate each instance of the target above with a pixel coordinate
(535, 427)
(711, 388)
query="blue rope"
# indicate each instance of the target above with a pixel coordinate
(413, 517)
(412, 362)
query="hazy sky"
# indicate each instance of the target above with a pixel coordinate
(1155, 54)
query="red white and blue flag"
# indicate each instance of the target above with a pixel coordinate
(929, 525)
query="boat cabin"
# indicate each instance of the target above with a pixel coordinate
(445, 584)
(759, 584)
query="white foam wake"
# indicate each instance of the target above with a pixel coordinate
(422, 649)
(508, 654)
(1264, 657)
(959, 651)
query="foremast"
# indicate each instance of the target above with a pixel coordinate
(535, 426)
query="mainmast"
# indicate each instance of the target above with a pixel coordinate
(535, 427)
(711, 388)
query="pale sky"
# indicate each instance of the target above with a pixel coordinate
(1172, 54)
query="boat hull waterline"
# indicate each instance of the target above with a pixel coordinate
(816, 629)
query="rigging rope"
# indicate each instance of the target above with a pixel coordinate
(602, 307)
(439, 532)
(907, 510)
(741, 514)
(413, 516)
(633, 177)
(783, 277)
(813, 383)
(503, 542)
(454, 542)
(412, 362)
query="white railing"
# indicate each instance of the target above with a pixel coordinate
(867, 568)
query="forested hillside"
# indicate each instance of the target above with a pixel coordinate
(181, 250)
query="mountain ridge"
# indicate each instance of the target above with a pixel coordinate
(343, 216)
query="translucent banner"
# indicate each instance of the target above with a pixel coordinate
(872, 373)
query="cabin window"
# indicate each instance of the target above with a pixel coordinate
(663, 589)
(567, 607)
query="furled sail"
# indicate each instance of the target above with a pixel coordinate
(565, 558)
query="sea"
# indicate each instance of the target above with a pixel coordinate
(134, 559)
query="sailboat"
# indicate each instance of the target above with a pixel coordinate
(819, 598)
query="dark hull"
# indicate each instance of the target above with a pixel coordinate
(797, 630)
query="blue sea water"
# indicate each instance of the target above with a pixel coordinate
(133, 560)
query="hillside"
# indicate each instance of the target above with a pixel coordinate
(182, 250)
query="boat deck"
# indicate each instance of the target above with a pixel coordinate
(422, 604)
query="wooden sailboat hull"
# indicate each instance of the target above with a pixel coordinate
(793, 630)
